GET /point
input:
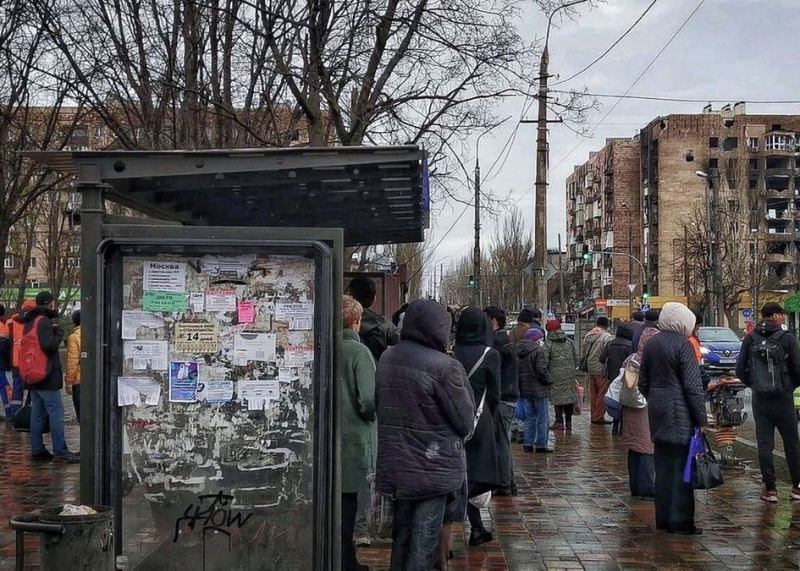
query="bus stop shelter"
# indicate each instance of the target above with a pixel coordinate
(210, 332)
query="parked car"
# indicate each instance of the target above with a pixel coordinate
(720, 348)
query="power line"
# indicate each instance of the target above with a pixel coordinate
(632, 85)
(611, 47)
(688, 100)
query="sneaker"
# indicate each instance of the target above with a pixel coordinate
(70, 458)
(795, 494)
(770, 496)
(43, 456)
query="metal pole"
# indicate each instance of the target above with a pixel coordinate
(720, 291)
(540, 249)
(630, 260)
(560, 275)
(476, 257)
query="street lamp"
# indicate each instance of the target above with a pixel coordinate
(630, 251)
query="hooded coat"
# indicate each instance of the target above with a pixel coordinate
(425, 409)
(670, 380)
(509, 387)
(50, 337)
(617, 350)
(473, 336)
(593, 344)
(377, 333)
(534, 378)
(518, 333)
(562, 361)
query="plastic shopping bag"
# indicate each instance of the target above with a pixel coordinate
(578, 402)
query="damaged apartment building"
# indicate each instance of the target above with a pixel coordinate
(639, 196)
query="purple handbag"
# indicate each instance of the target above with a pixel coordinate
(696, 446)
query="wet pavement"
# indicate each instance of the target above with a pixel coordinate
(573, 512)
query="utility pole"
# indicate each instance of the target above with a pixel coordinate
(562, 304)
(476, 256)
(540, 218)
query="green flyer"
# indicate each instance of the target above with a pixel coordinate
(165, 301)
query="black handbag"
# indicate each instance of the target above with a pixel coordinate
(706, 473)
(22, 420)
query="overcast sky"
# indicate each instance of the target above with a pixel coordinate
(731, 49)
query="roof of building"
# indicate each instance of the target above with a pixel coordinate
(378, 195)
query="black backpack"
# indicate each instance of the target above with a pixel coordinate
(768, 373)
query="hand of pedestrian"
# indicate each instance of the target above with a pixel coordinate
(69, 389)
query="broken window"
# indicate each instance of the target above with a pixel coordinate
(730, 143)
(713, 163)
(713, 142)
(752, 143)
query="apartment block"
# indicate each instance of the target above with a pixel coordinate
(753, 165)
(604, 219)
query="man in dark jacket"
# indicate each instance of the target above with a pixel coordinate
(377, 333)
(509, 394)
(537, 320)
(650, 320)
(613, 355)
(773, 376)
(425, 410)
(46, 395)
(534, 388)
(637, 320)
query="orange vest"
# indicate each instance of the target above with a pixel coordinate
(15, 331)
(696, 346)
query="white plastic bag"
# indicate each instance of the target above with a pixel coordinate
(481, 501)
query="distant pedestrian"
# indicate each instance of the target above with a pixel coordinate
(15, 325)
(534, 389)
(46, 395)
(474, 338)
(377, 333)
(562, 363)
(73, 377)
(769, 363)
(509, 395)
(425, 409)
(359, 433)
(594, 343)
(613, 356)
(536, 322)
(698, 350)
(650, 322)
(670, 381)
(6, 379)
(524, 322)
(637, 319)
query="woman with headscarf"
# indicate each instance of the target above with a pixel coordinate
(562, 361)
(670, 381)
(474, 338)
(534, 390)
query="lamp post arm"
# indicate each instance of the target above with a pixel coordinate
(634, 258)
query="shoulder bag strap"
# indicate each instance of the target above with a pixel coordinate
(478, 363)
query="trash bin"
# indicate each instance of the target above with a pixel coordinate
(75, 542)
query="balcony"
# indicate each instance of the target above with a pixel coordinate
(780, 258)
(781, 236)
(779, 172)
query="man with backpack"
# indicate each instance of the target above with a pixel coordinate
(769, 363)
(40, 368)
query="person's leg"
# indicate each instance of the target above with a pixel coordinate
(633, 473)
(599, 388)
(542, 422)
(402, 528)
(663, 489)
(475, 519)
(503, 443)
(681, 518)
(787, 428)
(349, 511)
(76, 401)
(55, 410)
(568, 411)
(646, 476)
(530, 423)
(18, 392)
(426, 523)
(443, 550)
(558, 423)
(38, 416)
(5, 392)
(765, 437)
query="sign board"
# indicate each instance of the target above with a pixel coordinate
(601, 302)
(747, 312)
(618, 302)
(645, 306)
(632, 287)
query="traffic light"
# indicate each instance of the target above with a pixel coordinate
(587, 256)
(645, 295)
(580, 304)
(471, 282)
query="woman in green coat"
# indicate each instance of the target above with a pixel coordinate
(359, 433)
(562, 362)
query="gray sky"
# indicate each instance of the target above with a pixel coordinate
(731, 49)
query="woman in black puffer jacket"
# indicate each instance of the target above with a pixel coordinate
(670, 381)
(613, 355)
(474, 337)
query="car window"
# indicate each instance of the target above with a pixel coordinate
(717, 334)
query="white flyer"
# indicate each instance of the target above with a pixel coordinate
(215, 391)
(147, 354)
(131, 389)
(288, 374)
(165, 276)
(220, 300)
(132, 320)
(227, 266)
(299, 316)
(253, 347)
(298, 355)
(258, 395)
(197, 301)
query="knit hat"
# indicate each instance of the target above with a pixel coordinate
(44, 298)
(553, 325)
(651, 315)
(677, 318)
(534, 334)
(536, 313)
(525, 316)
